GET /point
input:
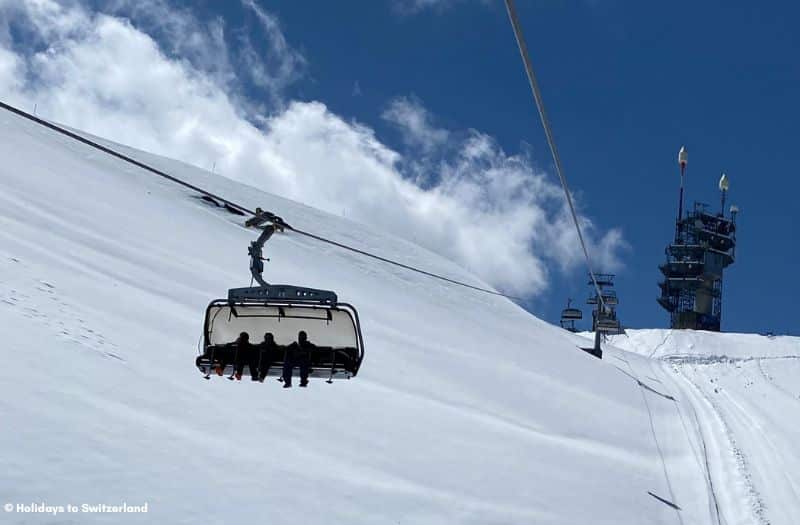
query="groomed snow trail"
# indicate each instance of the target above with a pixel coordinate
(744, 398)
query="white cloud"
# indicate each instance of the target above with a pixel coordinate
(415, 124)
(103, 73)
(410, 7)
(280, 65)
(12, 72)
(267, 61)
(415, 6)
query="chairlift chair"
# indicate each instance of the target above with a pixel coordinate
(606, 322)
(569, 316)
(283, 310)
(609, 298)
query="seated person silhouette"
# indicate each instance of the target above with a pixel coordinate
(218, 357)
(268, 352)
(245, 353)
(298, 354)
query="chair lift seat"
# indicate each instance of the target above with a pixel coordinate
(333, 328)
(325, 362)
(571, 313)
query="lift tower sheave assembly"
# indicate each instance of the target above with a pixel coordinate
(604, 314)
(704, 245)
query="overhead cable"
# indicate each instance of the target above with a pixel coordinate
(236, 206)
(537, 95)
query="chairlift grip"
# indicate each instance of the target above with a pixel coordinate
(256, 251)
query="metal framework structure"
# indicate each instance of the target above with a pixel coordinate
(604, 314)
(704, 245)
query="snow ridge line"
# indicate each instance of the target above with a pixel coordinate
(694, 359)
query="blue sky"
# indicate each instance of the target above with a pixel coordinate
(626, 84)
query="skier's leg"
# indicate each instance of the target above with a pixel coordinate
(235, 365)
(287, 373)
(253, 365)
(263, 366)
(304, 366)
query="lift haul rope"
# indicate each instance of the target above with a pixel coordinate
(537, 95)
(236, 206)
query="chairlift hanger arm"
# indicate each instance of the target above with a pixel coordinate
(265, 292)
(256, 249)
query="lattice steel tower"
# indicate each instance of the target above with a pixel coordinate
(704, 245)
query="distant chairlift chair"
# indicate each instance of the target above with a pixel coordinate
(568, 317)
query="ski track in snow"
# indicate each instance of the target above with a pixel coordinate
(771, 380)
(745, 419)
(704, 464)
(29, 298)
(753, 497)
(701, 455)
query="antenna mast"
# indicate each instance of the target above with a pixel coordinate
(683, 160)
(724, 184)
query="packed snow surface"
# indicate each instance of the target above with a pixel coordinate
(467, 409)
(741, 394)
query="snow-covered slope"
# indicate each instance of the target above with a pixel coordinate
(741, 394)
(677, 345)
(467, 409)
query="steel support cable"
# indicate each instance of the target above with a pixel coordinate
(121, 156)
(401, 265)
(537, 95)
(236, 206)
